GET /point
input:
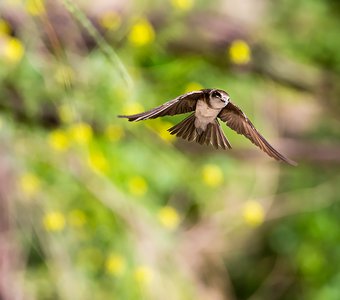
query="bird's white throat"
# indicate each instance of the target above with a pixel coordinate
(204, 114)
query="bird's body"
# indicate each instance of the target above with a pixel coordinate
(205, 114)
(202, 125)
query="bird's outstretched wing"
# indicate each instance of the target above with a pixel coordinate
(238, 121)
(182, 104)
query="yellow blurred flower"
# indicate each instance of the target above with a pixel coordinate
(114, 132)
(1, 123)
(12, 50)
(133, 108)
(98, 162)
(239, 52)
(143, 275)
(64, 75)
(137, 186)
(212, 175)
(66, 113)
(253, 213)
(182, 4)
(81, 133)
(193, 86)
(4, 28)
(54, 221)
(141, 33)
(35, 7)
(115, 264)
(58, 140)
(110, 20)
(161, 127)
(169, 217)
(77, 218)
(30, 184)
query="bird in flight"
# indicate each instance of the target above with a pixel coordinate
(202, 126)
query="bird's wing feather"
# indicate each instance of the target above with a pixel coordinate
(182, 104)
(212, 135)
(238, 121)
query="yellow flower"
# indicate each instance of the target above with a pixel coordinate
(35, 7)
(253, 213)
(12, 50)
(30, 184)
(114, 132)
(77, 218)
(161, 128)
(193, 86)
(239, 52)
(66, 113)
(64, 75)
(4, 28)
(142, 33)
(115, 264)
(110, 20)
(133, 108)
(81, 133)
(98, 162)
(168, 217)
(58, 140)
(143, 275)
(137, 186)
(182, 4)
(1, 123)
(54, 221)
(212, 175)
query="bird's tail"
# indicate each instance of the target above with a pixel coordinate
(212, 135)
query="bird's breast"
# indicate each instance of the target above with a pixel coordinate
(204, 114)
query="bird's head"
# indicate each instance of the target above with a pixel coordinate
(218, 98)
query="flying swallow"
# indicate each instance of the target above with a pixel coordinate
(202, 126)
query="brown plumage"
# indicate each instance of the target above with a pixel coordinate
(203, 127)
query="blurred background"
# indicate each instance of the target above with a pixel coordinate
(95, 207)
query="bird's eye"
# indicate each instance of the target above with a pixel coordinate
(216, 94)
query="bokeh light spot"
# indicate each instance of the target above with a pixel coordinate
(143, 275)
(142, 33)
(98, 162)
(11, 50)
(137, 186)
(54, 221)
(133, 108)
(239, 52)
(115, 264)
(5, 29)
(212, 175)
(81, 133)
(183, 5)
(58, 140)
(161, 127)
(193, 86)
(35, 7)
(168, 217)
(253, 213)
